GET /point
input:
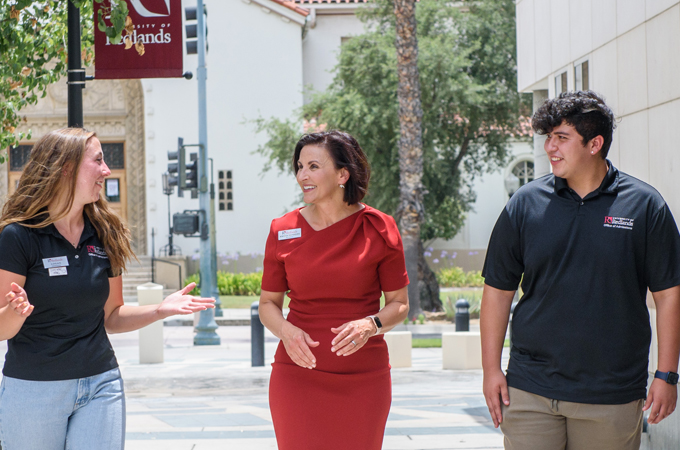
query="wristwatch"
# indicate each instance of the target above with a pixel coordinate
(377, 322)
(668, 377)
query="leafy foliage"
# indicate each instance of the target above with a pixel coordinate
(231, 283)
(470, 103)
(456, 277)
(33, 49)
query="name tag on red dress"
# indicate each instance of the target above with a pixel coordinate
(290, 234)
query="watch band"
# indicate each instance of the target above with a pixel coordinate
(377, 322)
(668, 377)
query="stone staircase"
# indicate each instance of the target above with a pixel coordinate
(138, 273)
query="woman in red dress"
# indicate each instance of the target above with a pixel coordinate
(330, 385)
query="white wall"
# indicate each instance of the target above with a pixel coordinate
(321, 47)
(254, 69)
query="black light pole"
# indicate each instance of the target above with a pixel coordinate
(168, 190)
(76, 73)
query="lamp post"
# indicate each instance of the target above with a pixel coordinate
(168, 190)
(76, 73)
(511, 184)
(205, 329)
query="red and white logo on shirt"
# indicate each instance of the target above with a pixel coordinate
(618, 222)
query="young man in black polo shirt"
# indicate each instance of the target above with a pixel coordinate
(588, 241)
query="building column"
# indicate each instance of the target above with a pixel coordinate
(541, 162)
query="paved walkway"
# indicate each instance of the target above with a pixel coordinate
(209, 397)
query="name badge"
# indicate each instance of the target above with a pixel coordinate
(59, 261)
(57, 271)
(290, 234)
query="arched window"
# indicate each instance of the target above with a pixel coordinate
(521, 172)
(524, 170)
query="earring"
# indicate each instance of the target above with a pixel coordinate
(342, 186)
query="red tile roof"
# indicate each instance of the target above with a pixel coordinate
(290, 4)
(309, 2)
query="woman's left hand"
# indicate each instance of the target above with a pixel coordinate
(351, 336)
(182, 303)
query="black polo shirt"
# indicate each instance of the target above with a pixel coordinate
(581, 330)
(64, 337)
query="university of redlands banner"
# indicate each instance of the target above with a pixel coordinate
(157, 25)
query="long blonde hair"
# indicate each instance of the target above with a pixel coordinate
(57, 153)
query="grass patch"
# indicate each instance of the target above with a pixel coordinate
(426, 343)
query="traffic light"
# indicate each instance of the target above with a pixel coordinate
(177, 170)
(192, 172)
(191, 28)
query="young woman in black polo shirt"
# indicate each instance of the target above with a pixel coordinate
(63, 252)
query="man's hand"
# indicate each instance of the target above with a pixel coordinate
(495, 391)
(661, 398)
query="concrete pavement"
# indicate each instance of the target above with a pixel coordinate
(209, 397)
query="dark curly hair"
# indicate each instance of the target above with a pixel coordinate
(346, 154)
(584, 110)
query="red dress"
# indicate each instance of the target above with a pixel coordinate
(334, 276)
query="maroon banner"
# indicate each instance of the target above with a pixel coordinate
(158, 25)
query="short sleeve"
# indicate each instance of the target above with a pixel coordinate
(662, 258)
(274, 270)
(14, 243)
(392, 269)
(503, 266)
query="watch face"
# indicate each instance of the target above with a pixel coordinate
(672, 378)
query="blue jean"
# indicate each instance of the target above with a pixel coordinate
(81, 414)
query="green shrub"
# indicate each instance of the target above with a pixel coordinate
(239, 283)
(456, 277)
(195, 278)
(233, 283)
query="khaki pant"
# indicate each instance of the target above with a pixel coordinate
(532, 422)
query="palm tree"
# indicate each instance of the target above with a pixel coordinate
(410, 210)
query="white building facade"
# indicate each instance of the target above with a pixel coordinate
(263, 56)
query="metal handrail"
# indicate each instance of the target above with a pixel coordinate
(179, 266)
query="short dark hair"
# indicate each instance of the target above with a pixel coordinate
(346, 154)
(586, 111)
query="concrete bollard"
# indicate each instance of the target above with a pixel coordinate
(151, 336)
(462, 350)
(256, 336)
(399, 345)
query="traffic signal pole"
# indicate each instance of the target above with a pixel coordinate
(206, 327)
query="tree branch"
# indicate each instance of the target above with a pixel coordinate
(464, 147)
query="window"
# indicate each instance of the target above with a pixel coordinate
(114, 155)
(225, 193)
(581, 82)
(524, 170)
(560, 83)
(18, 157)
(520, 174)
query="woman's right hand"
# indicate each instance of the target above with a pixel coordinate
(297, 344)
(18, 301)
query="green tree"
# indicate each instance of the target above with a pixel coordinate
(33, 37)
(471, 109)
